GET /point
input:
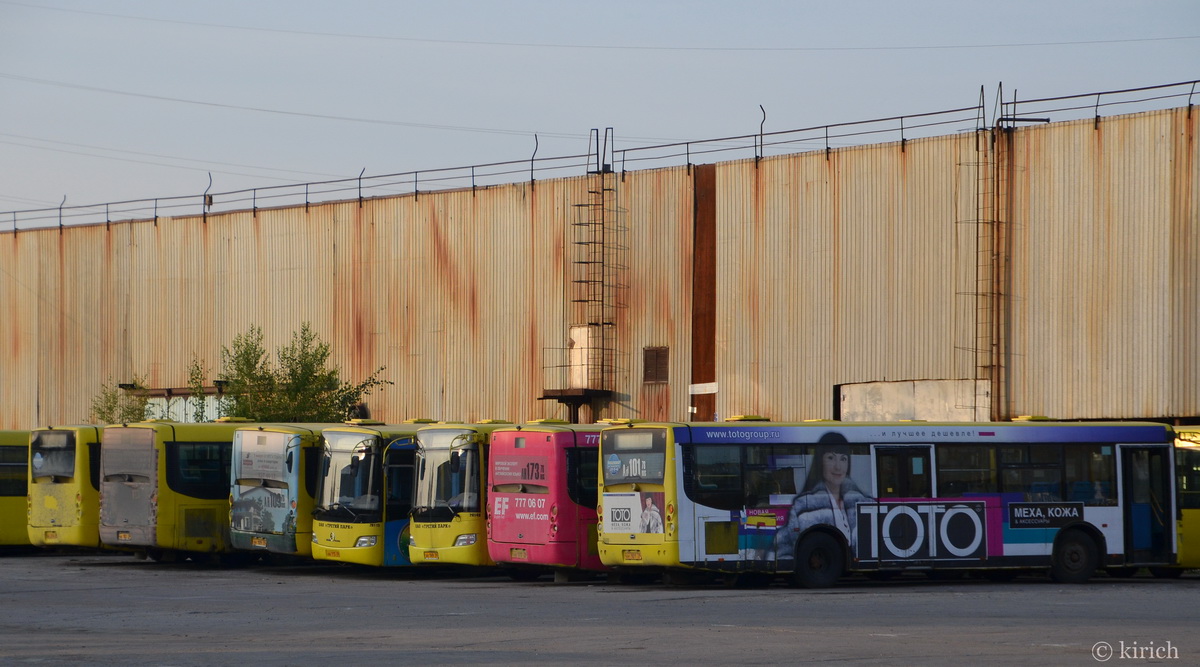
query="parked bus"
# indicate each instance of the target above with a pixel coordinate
(164, 487)
(817, 500)
(64, 486)
(14, 462)
(448, 522)
(364, 462)
(1187, 468)
(275, 470)
(541, 506)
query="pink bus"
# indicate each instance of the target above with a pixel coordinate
(542, 480)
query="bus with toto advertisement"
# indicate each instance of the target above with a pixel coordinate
(816, 500)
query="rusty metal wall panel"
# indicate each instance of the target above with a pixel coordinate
(1104, 297)
(847, 269)
(863, 267)
(657, 209)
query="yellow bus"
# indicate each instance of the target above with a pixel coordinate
(448, 521)
(365, 493)
(814, 501)
(14, 461)
(164, 488)
(64, 486)
(1187, 467)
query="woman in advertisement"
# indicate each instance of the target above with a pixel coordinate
(829, 496)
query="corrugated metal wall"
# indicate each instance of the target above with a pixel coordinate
(865, 265)
(461, 296)
(1104, 299)
(853, 268)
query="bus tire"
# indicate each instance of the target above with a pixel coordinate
(820, 561)
(1075, 558)
(1166, 572)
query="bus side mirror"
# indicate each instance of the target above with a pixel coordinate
(455, 462)
(291, 458)
(421, 470)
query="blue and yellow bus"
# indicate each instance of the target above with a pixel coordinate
(365, 493)
(814, 501)
(448, 521)
(64, 486)
(164, 488)
(274, 474)
(14, 463)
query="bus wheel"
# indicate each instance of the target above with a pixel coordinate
(1075, 559)
(1166, 572)
(819, 561)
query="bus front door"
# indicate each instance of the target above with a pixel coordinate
(1148, 512)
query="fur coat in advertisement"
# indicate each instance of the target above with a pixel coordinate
(816, 508)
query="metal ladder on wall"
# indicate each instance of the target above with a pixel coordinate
(593, 265)
(985, 297)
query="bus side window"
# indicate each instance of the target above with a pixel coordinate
(1092, 473)
(715, 477)
(965, 469)
(1187, 468)
(760, 486)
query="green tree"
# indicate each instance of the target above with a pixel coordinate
(196, 374)
(115, 405)
(297, 386)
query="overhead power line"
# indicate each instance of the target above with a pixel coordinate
(609, 47)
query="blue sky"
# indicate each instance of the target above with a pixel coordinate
(111, 100)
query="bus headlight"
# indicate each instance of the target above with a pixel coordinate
(365, 541)
(465, 540)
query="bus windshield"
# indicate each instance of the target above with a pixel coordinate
(636, 455)
(128, 455)
(263, 458)
(448, 475)
(352, 477)
(52, 454)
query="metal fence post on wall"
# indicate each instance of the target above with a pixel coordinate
(532, 158)
(207, 198)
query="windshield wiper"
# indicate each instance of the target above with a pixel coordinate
(337, 507)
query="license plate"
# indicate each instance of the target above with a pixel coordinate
(631, 554)
(431, 555)
(334, 554)
(258, 542)
(518, 554)
(51, 536)
(123, 536)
